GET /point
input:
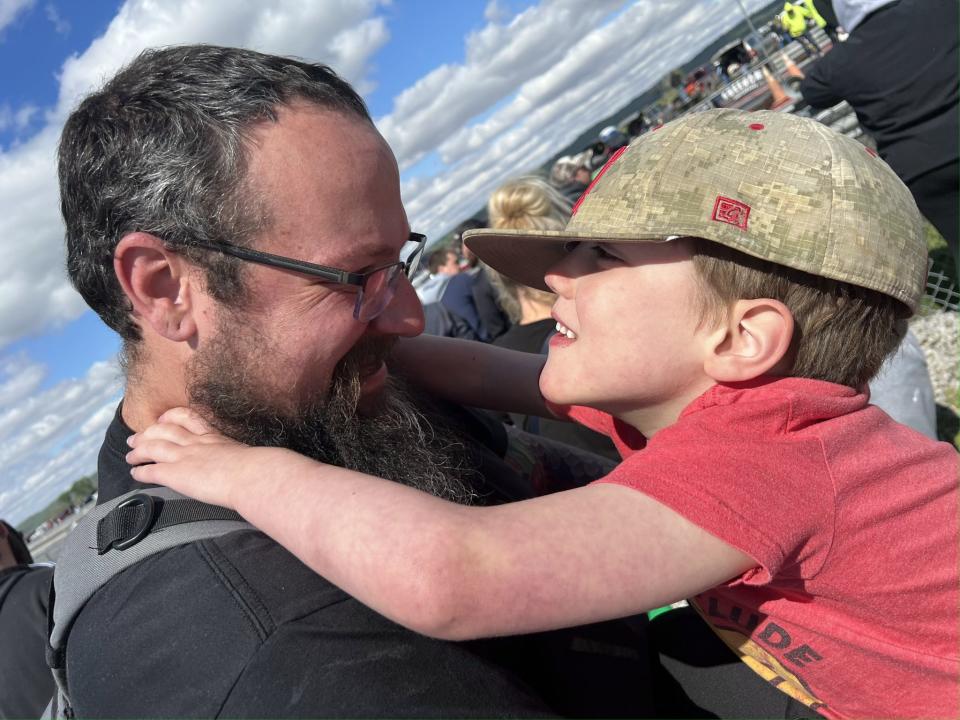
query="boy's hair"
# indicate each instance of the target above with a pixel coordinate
(842, 332)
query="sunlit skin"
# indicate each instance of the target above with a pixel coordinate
(325, 206)
(331, 208)
(583, 555)
(640, 346)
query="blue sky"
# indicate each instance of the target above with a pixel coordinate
(468, 93)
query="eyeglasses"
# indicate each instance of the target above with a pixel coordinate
(377, 286)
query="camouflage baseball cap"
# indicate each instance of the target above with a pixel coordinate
(773, 185)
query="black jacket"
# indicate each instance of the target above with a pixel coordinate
(238, 627)
(26, 684)
(898, 70)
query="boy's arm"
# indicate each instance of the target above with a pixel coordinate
(473, 373)
(447, 570)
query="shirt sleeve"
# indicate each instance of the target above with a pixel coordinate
(770, 500)
(817, 87)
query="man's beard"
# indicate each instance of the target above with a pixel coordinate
(389, 437)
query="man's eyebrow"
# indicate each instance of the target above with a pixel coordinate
(364, 254)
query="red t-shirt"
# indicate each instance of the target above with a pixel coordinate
(854, 605)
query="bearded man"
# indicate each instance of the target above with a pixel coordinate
(256, 273)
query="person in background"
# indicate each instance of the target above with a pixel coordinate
(442, 265)
(470, 295)
(637, 126)
(532, 204)
(898, 70)
(794, 18)
(570, 175)
(26, 684)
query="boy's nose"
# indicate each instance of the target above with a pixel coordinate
(404, 315)
(559, 277)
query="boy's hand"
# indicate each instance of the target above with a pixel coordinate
(192, 458)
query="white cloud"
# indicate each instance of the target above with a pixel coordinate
(9, 9)
(494, 12)
(499, 58)
(529, 88)
(18, 119)
(50, 438)
(35, 294)
(19, 378)
(60, 25)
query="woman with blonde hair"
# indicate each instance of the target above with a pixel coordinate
(531, 203)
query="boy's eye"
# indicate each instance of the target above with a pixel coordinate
(601, 253)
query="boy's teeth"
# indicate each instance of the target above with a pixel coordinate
(564, 330)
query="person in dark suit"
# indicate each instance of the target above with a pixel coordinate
(898, 70)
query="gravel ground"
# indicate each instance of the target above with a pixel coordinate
(939, 335)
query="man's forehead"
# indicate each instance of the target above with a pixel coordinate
(330, 185)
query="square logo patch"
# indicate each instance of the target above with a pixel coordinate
(732, 212)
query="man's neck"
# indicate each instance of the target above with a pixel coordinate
(150, 395)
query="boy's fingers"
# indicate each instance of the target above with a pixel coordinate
(166, 431)
(188, 419)
(154, 450)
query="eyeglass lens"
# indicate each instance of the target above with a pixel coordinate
(380, 287)
(377, 293)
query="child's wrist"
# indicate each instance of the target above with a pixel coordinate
(252, 488)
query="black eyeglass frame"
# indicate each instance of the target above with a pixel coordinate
(325, 272)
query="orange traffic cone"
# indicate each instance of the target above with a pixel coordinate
(778, 97)
(791, 67)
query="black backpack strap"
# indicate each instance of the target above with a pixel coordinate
(109, 539)
(143, 513)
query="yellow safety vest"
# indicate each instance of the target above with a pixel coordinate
(812, 12)
(794, 20)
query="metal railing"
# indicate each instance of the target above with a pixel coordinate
(941, 290)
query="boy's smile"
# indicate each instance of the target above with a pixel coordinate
(629, 339)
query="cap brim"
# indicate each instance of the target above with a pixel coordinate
(526, 255)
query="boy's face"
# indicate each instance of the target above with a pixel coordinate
(638, 349)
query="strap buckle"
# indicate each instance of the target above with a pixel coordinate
(130, 525)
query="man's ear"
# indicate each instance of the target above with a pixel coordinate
(755, 340)
(158, 283)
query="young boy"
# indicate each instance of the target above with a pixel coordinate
(726, 289)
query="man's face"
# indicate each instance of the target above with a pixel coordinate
(451, 266)
(291, 366)
(469, 259)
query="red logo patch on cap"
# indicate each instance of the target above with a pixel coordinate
(732, 212)
(610, 161)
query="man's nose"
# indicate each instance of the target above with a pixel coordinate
(404, 315)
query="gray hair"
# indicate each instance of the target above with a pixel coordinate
(162, 149)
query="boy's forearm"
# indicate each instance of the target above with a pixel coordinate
(457, 572)
(472, 373)
(384, 543)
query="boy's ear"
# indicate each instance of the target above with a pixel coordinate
(755, 340)
(158, 283)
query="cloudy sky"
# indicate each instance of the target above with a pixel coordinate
(468, 93)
